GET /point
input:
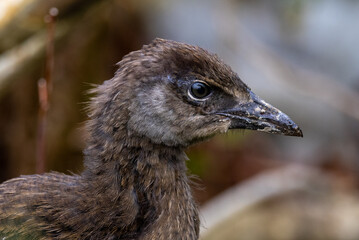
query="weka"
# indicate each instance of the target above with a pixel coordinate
(163, 98)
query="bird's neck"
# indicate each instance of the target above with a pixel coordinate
(150, 179)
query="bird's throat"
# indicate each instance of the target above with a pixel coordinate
(151, 179)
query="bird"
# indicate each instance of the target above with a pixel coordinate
(163, 98)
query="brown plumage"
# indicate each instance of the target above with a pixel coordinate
(162, 99)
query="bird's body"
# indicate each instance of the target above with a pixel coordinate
(163, 98)
(95, 207)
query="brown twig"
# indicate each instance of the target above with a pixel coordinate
(44, 90)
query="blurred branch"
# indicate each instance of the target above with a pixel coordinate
(27, 19)
(44, 91)
(23, 36)
(18, 57)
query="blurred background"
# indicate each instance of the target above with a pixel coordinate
(302, 56)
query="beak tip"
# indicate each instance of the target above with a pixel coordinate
(297, 132)
(289, 128)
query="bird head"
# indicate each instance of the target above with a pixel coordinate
(177, 94)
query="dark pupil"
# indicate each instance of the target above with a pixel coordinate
(199, 90)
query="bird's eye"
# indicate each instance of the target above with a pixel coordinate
(199, 90)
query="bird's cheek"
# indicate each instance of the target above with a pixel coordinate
(209, 126)
(224, 124)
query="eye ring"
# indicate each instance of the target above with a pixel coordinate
(199, 90)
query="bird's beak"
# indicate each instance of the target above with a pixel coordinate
(256, 114)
